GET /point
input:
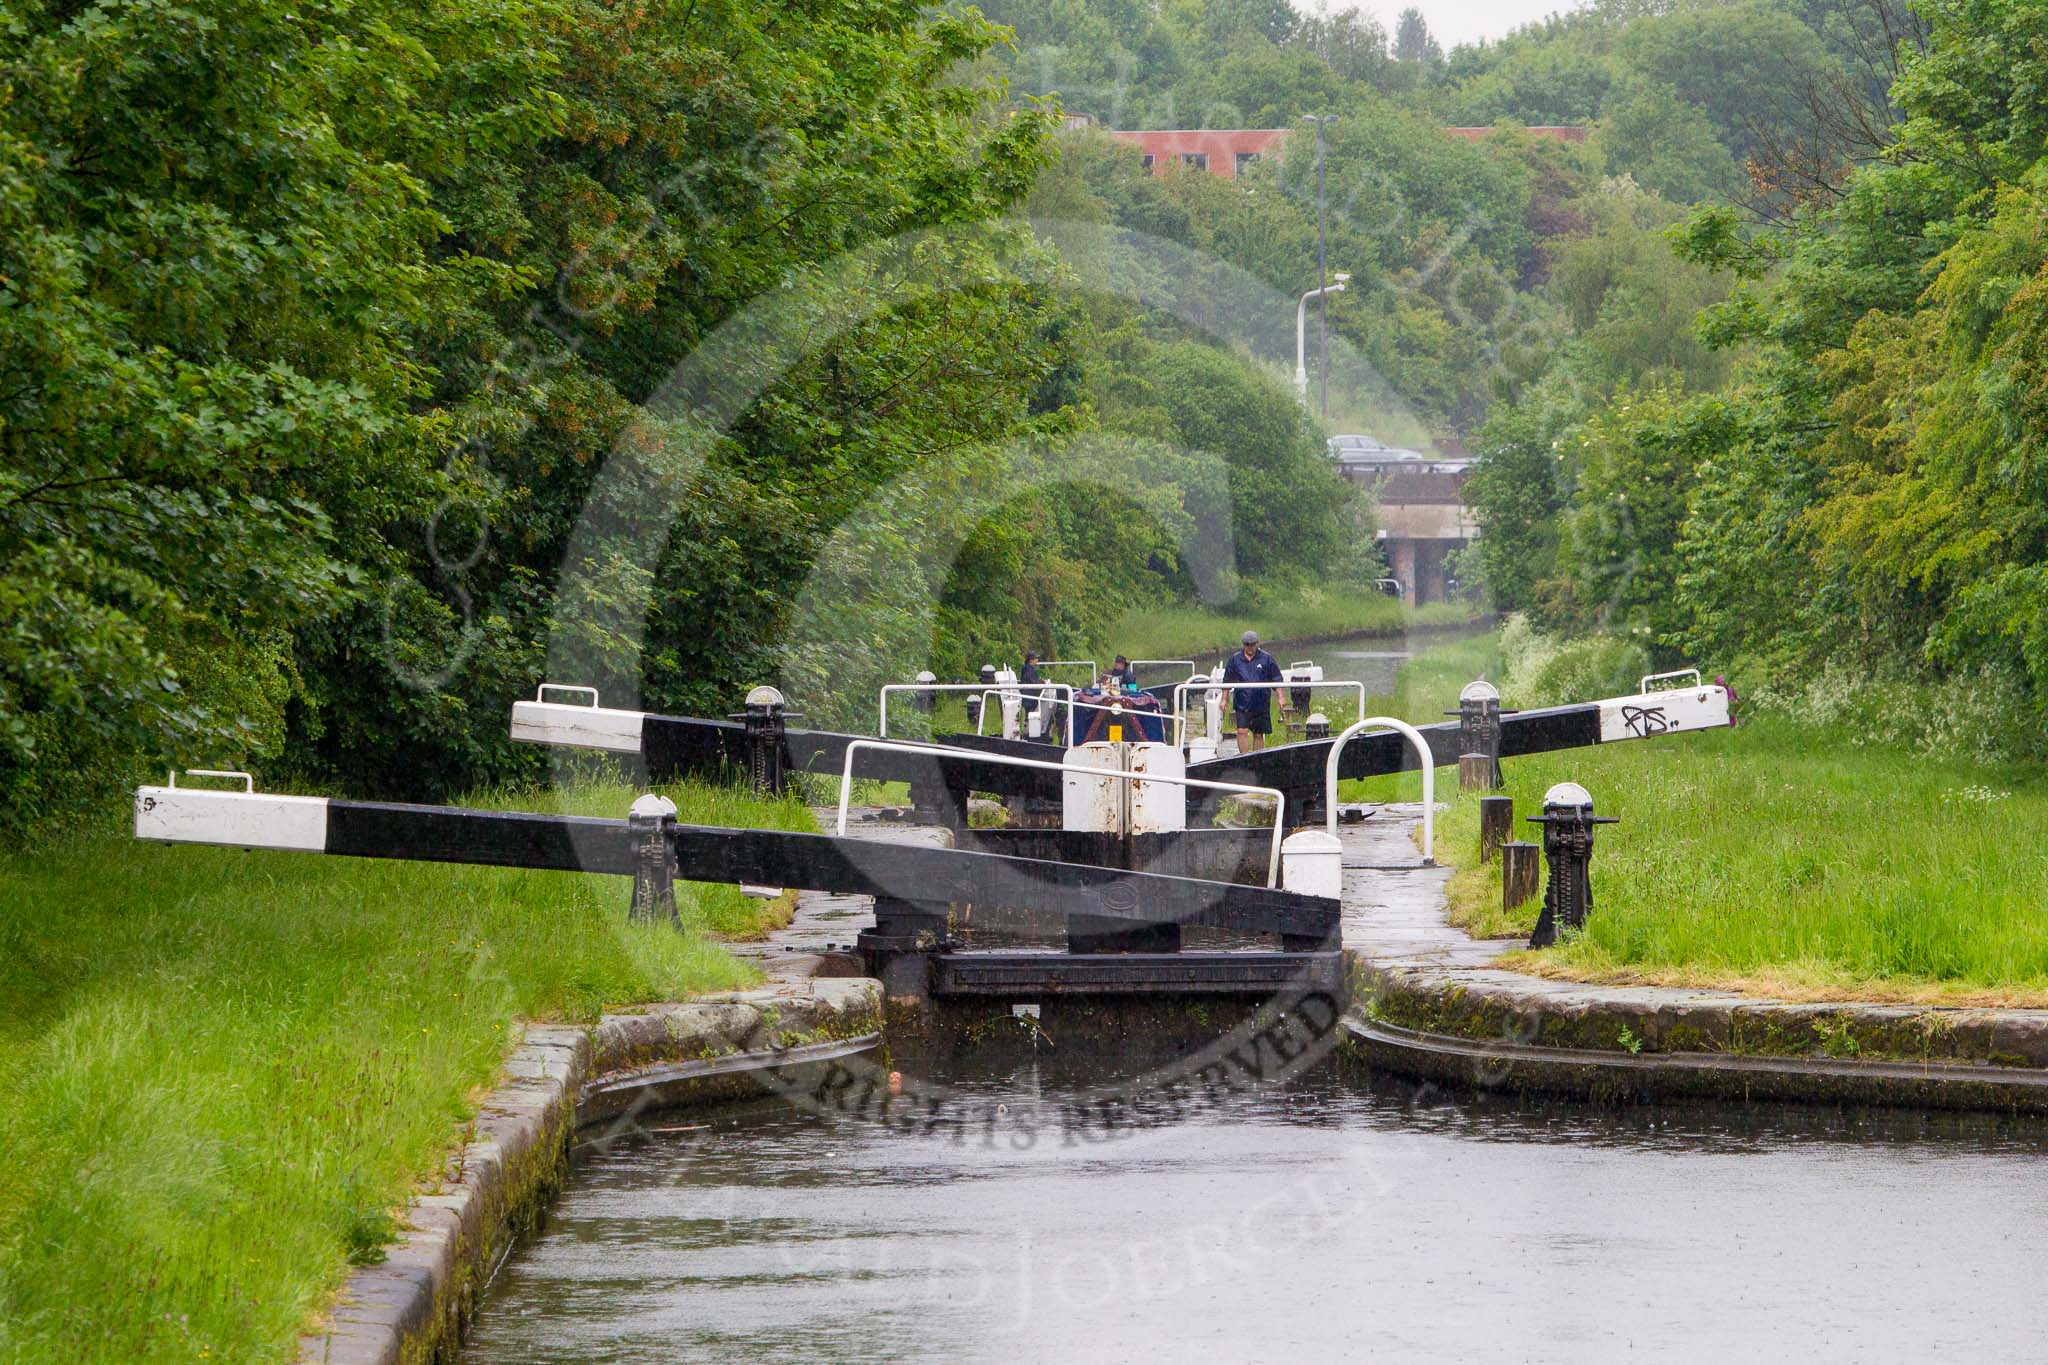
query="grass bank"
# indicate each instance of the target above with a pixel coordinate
(1197, 632)
(228, 1069)
(1775, 859)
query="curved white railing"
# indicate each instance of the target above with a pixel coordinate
(905, 747)
(1181, 690)
(882, 705)
(1014, 692)
(1422, 756)
(1074, 705)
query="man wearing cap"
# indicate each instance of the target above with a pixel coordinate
(1253, 705)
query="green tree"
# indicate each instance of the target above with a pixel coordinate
(1667, 146)
(216, 263)
(1637, 465)
(1516, 492)
(1413, 42)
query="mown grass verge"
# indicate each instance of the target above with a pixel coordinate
(227, 1070)
(1773, 859)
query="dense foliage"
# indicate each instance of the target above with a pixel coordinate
(364, 365)
(1862, 501)
(359, 360)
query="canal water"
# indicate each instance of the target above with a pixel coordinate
(1329, 1218)
(1375, 660)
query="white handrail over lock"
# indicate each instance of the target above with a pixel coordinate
(1422, 756)
(1068, 769)
(882, 696)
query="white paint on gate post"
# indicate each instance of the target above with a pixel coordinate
(1012, 701)
(1312, 864)
(1136, 805)
(1088, 800)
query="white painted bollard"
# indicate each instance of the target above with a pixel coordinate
(1312, 864)
(1212, 711)
(1012, 702)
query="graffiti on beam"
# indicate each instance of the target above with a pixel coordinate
(1643, 721)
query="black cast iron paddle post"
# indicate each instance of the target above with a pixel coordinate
(653, 824)
(1479, 714)
(1567, 822)
(765, 721)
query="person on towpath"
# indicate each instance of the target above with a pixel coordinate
(1253, 705)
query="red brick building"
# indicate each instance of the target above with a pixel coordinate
(1226, 151)
(1219, 151)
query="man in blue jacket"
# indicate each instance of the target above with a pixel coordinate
(1253, 705)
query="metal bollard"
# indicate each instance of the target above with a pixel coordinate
(764, 720)
(1478, 716)
(1496, 824)
(653, 820)
(924, 699)
(1521, 869)
(1317, 726)
(1567, 822)
(975, 699)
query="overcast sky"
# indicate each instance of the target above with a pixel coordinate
(1454, 21)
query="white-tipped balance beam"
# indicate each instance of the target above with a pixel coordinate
(188, 815)
(1665, 712)
(577, 727)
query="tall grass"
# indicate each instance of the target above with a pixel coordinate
(227, 1069)
(1786, 859)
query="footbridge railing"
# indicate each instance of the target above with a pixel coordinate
(1080, 770)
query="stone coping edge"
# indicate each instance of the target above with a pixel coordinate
(1591, 1074)
(1627, 1041)
(412, 1308)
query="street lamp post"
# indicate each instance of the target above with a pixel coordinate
(1301, 338)
(1322, 270)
